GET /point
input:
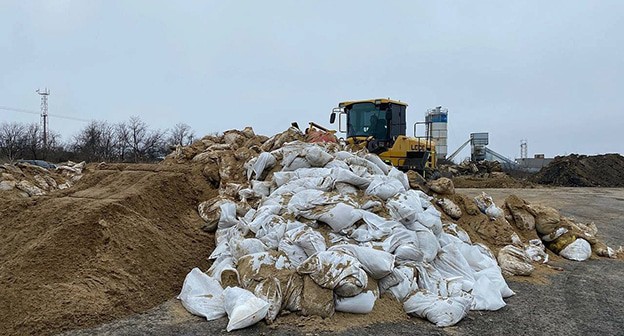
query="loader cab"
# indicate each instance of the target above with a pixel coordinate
(381, 119)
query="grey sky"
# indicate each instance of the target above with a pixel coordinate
(551, 72)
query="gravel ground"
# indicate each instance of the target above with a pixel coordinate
(584, 299)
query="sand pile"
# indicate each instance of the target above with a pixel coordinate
(118, 242)
(583, 171)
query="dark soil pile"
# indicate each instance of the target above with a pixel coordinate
(120, 241)
(583, 171)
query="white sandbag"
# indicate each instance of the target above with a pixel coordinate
(296, 255)
(347, 176)
(431, 218)
(493, 211)
(486, 295)
(283, 177)
(478, 256)
(444, 310)
(497, 280)
(340, 216)
(202, 295)
(458, 232)
(345, 188)
(514, 260)
(399, 176)
(264, 161)
(223, 269)
(311, 241)
(451, 263)
(337, 164)
(272, 231)
(243, 308)
(375, 227)
(261, 188)
(317, 157)
(578, 250)
(450, 208)
(336, 270)
(243, 247)
(536, 251)
(418, 246)
(228, 215)
(384, 187)
(400, 283)
(376, 263)
(378, 162)
(362, 303)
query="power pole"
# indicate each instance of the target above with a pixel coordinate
(44, 115)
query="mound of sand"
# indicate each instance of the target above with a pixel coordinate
(119, 242)
(583, 171)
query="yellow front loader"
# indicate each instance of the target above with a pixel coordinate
(380, 126)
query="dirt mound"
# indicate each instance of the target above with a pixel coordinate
(583, 171)
(119, 242)
(494, 181)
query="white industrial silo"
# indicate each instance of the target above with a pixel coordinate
(437, 119)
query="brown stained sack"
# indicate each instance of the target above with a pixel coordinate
(450, 208)
(513, 260)
(546, 219)
(316, 300)
(521, 217)
(443, 186)
(260, 274)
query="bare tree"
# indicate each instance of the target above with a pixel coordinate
(11, 139)
(145, 144)
(122, 140)
(33, 141)
(181, 135)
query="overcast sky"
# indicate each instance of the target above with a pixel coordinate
(551, 72)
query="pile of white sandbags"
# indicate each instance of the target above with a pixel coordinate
(332, 231)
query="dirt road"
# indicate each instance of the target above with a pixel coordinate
(586, 298)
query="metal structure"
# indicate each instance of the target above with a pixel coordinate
(478, 141)
(44, 114)
(436, 121)
(524, 149)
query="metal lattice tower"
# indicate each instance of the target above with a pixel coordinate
(44, 114)
(524, 149)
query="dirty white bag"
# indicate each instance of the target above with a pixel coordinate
(336, 270)
(536, 251)
(431, 219)
(339, 216)
(486, 295)
(384, 187)
(451, 263)
(443, 310)
(362, 303)
(514, 260)
(495, 276)
(376, 263)
(264, 161)
(243, 308)
(378, 162)
(228, 215)
(578, 250)
(202, 295)
(400, 176)
(401, 282)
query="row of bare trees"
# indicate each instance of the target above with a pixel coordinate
(128, 141)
